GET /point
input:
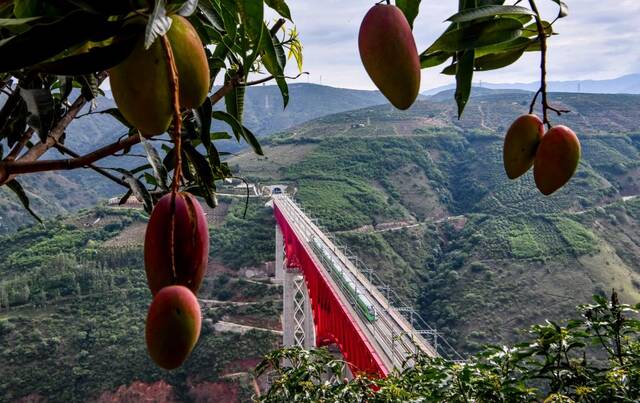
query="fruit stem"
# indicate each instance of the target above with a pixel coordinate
(542, 37)
(177, 139)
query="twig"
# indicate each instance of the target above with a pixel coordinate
(542, 37)
(99, 170)
(20, 145)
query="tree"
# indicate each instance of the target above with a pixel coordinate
(42, 61)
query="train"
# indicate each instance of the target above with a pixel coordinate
(345, 279)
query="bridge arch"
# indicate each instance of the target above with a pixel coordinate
(332, 321)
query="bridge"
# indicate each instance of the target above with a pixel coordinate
(332, 298)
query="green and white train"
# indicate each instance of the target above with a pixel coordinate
(341, 275)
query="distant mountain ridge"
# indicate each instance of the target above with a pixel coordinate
(628, 84)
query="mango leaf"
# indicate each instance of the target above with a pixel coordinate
(97, 59)
(498, 60)
(188, 8)
(239, 130)
(410, 9)
(434, 59)
(39, 103)
(124, 198)
(488, 11)
(273, 59)
(564, 9)
(15, 186)
(159, 170)
(281, 7)
(158, 24)
(212, 16)
(138, 188)
(220, 136)
(45, 40)
(531, 30)
(16, 25)
(477, 35)
(204, 116)
(205, 177)
(252, 14)
(234, 100)
(464, 78)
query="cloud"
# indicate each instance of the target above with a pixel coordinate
(598, 40)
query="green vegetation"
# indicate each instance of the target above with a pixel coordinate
(593, 359)
(245, 240)
(72, 315)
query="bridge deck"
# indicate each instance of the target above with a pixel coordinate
(391, 335)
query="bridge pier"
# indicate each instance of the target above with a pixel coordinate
(297, 317)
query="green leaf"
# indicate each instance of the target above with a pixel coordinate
(138, 188)
(204, 115)
(205, 176)
(46, 40)
(464, 78)
(159, 170)
(15, 186)
(472, 14)
(498, 60)
(273, 60)
(234, 102)
(280, 6)
(252, 14)
(434, 59)
(410, 9)
(97, 59)
(477, 35)
(17, 25)
(239, 130)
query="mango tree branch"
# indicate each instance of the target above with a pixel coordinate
(29, 163)
(101, 171)
(20, 145)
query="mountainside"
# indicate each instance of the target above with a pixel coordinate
(73, 303)
(264, 114)
(422, 198)
(419, 196)
(629, 84)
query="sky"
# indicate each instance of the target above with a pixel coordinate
(600, 39)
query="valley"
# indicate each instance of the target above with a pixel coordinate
(419, 196)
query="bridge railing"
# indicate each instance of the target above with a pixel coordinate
(395, 301)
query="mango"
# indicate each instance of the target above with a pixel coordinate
(140, 84)
(520, 145)
(173, 326)
(389, 54)
(190, 240)
(556, 159)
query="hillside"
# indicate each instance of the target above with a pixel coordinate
(481, 255)
(73, 302)
(66, 192)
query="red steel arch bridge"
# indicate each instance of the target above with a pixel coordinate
(330, 297)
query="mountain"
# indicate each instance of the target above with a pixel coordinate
(63, 192)
(419, 196)
(629, 84)
(422, 198)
